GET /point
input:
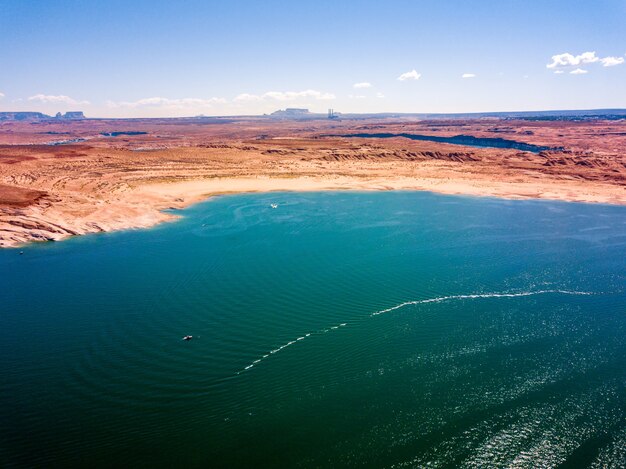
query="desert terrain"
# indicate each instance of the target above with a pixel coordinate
(66, 178)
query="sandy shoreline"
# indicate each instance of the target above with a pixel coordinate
(195, 191)
(145, 206)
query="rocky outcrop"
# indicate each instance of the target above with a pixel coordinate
(398, 154)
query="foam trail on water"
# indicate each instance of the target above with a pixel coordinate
(291, 342)
(478, 295)
(408, 303)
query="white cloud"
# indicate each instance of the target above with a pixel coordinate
(167, 103)
(380, 95)
(1, 95)
(612, 61)
(468, 75)
(293, 95)
(558, 72)
(569, 60)
(578, 71)
(363, 84)
(359, 96)
(58, 99)
(245, 97)
(285, 96)
(412, 75)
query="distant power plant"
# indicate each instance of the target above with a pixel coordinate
(332, 115)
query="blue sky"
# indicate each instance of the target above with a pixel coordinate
(176, 58)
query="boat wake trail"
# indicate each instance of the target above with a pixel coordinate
(291, 342)
(409, 303)
(479, 295)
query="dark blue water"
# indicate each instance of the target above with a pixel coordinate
(465, 140)
(66, 142)
(122, 133)
(393, 329)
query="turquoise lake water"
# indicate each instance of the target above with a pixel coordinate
(388, 329)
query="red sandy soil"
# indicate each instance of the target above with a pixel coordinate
(109, 183)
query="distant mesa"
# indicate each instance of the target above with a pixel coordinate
(70, 115)
(22, 116)
(39, 116)
(292, 113)
(295, 113)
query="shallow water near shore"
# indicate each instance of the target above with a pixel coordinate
(376, 329)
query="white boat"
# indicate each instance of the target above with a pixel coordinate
(274, 205)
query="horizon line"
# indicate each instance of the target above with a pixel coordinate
(347, 114)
